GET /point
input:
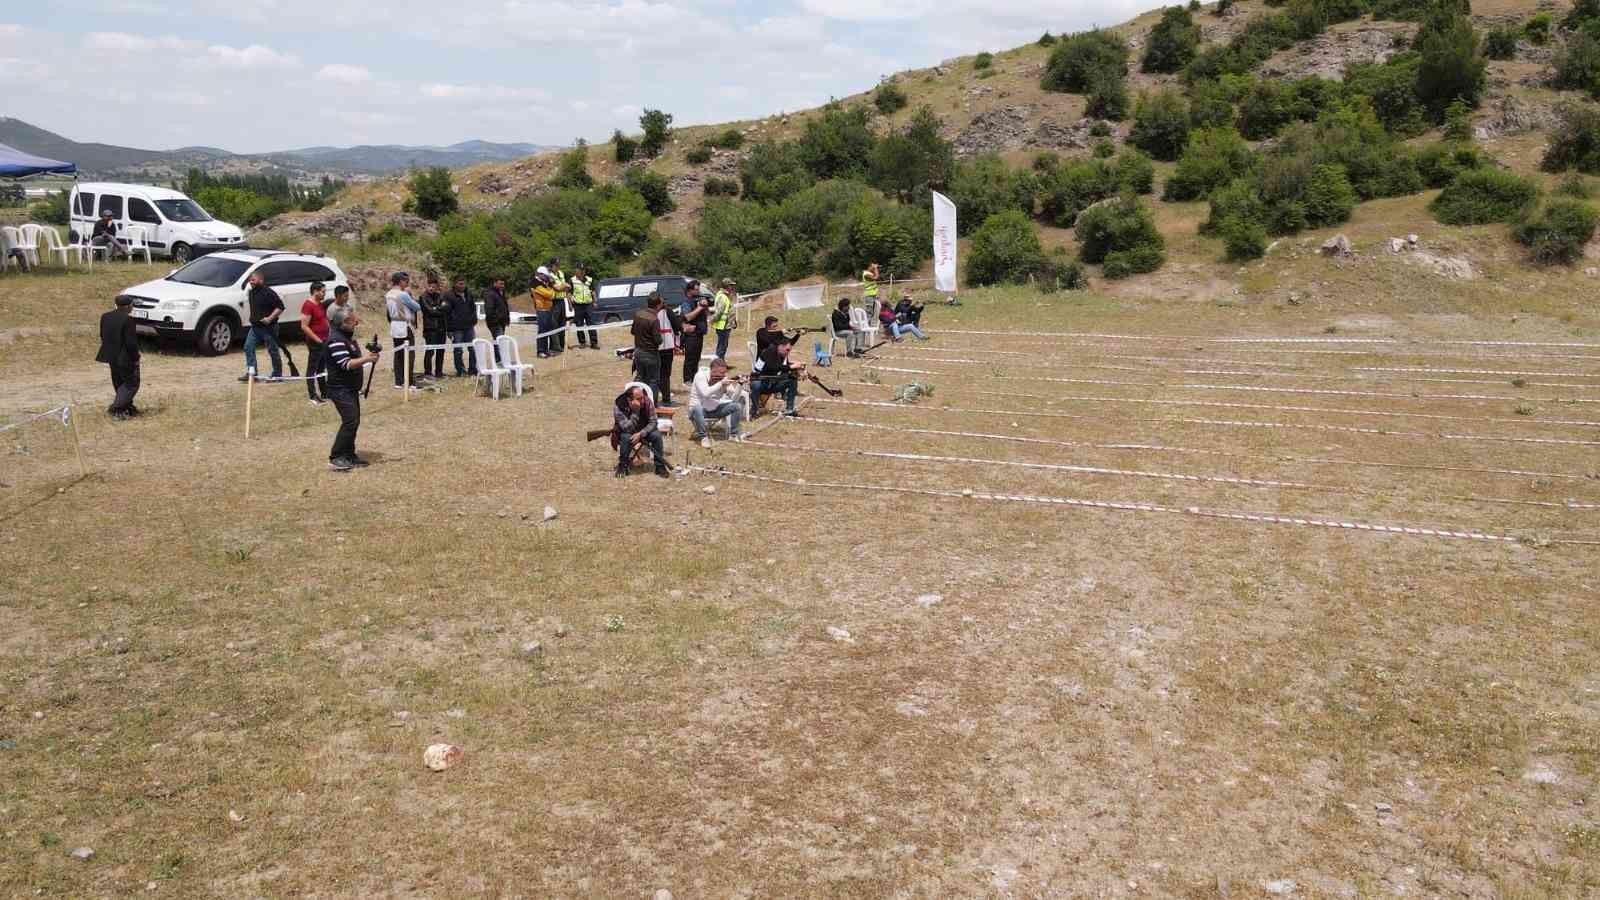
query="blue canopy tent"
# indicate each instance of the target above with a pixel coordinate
(16, 164)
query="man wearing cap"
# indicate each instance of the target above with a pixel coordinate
(722, 320)
(105, 235)
(119, 349)
(583, 308)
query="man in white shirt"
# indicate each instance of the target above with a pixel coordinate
(713, 395)
(403, 311)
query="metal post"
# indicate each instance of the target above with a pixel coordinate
(249, 399)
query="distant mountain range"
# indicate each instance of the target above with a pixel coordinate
(108, 160)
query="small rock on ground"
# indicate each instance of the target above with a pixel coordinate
(708, 489)
(838, 634)
(532, 649)
(1541, 774)
(927, 600)
(550, 513)
(1383, 807)
(1280, 886)
(84, 853)
(439, 757)
(663, 894)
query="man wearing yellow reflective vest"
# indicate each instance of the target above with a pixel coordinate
(722, 315)
(583, 308)
(869, 286)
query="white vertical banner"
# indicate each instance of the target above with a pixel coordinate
(944, 243)
(804, 297)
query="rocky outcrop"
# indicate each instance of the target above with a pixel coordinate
(1076, 136)
(723, 164)
(349, 224)
(995, 131)
(1328, 53)
(1514, 115)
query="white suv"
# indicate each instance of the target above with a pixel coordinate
(207, 301)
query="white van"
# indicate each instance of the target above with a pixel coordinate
(174, 225)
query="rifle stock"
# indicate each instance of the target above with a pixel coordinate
(596, 434)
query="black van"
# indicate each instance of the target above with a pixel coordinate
(616, 299)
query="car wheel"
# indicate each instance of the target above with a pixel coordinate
(214, 336)
(181, 253)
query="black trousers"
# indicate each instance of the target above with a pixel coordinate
(558, 316)
(316, 363)
(647, 368)
(125, 379)
(582, 315)
(693, 346)
(494, 341)
(433, 360)
(348, 402)
(405, 358)
(663, 382)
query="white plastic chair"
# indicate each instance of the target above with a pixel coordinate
(92, 248)
(663, 423)
(136, 242)
(54, 246)
(483, 355)
(834, 338)
(9, 238)
(511, 360)
(751, 346)
(868, 328)
(29, 244)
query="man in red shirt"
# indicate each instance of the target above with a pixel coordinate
(314, 325)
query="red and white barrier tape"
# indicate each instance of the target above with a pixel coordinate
(1262, 518)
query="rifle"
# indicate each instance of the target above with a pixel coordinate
(293, 369)
(832, 392)
(372, 347)
(596, 434)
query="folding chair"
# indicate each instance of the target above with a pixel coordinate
(483, 355)
(511, 360)
(136, 242)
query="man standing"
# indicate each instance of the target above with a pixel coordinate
(774, 375)
(496, 314)
(714, 395)
(583, 308)
(105, 235)
(722, 320)
(314, 325)
(543, 293)
(647, 342)
(119, 349)
(345, 362)
(869, 285)
(696, 322)
(633, 422)
(435, 325)
(671, 325)
(463, 323)
(265, 308)
(402, 310)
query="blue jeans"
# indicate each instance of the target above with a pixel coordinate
(722, 342)
(788, 388)
(262, 334)
(728, 409)
(547, 322)
(899, 328)
(653, 440)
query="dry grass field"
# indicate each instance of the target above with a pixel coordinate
(220, 662)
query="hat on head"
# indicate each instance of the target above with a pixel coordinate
(728, 282)
(124, 300)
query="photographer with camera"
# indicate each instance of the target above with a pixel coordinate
(345, 362)
(696, 312)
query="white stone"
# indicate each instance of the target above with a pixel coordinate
(927, 600)
(549, 513)
(838, 634)
(1281, 886)
(1541, 773)
(662, 894)
(532, 649)
(83, 853)
(439, 757)
(709, 489)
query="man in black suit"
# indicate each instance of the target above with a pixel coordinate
(119, 348)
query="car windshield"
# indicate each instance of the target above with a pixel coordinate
(184, 210)
(210, 271)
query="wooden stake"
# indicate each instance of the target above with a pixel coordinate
(249, 400)
(77, 441)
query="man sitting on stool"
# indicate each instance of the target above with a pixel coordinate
(633, 422)
(713, 395)
(772, 374)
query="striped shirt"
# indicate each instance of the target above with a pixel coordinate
(342, 351)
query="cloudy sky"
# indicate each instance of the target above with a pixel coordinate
(259, 75)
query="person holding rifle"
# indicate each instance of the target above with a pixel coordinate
(713, 395)
(265, 308)
(768, 335)
(314, 325)
(773, 374)
(345, 362)
(633, 422)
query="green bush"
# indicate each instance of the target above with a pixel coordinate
(889, 99)
(1222, 7)
(652, 186)
(1214, 157)
(1582, 13)
(1108, 98)
(908, 162)
(984, 186)
(1005, 250)
(434, 195)
(1242, 239)
(1238, 199)
(622, 224)
(1451, 67)
(1068, 189)
(1100, 130)
(1537, 29)
(1103, 150)
(983, 60)
(1481, 196)
(837, 144)
(245, 208)
(1172, 42)
(52, 210)
(1558, 234)
(721, 187)
(1134, 171)
(1210, 106)
(1577, 63)
(1575, 142)
(509, 243)
(1570, 185)
(657, 128)
(697, 156)
(1121, 229)
(1458, 122)
(1077, 59)
(1500, 43)
(1061, 275)
(1329, 198)
(1047, 40)
(573, 169)
(1439, 164)
(1161, 124)
(1350, 135)
(1266, 108)
(1391, 89)
(626, 148)
(773, 171)
(732, 139)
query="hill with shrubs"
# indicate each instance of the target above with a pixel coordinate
(1202, 150)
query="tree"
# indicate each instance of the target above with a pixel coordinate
(773, 171)
(657, 127)
(1121, 234)
(985, 186)
(431, 189)
(1500, 43)
(622, 225)
(1005, 249)
(907, 164)
(1329, 198)
(1451, 68)
(1577, 63)
(626, 147)
(1172, 42)
(889, 99)
(652, 186)
(573, 169)
(1161, 124)
(1575, 143)
(1214, 157)
(838, 143)
(1108, 98)
(1075, 61)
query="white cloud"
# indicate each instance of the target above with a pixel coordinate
(482, 93)
(122, 42)
(340, 73)
(254, 56)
